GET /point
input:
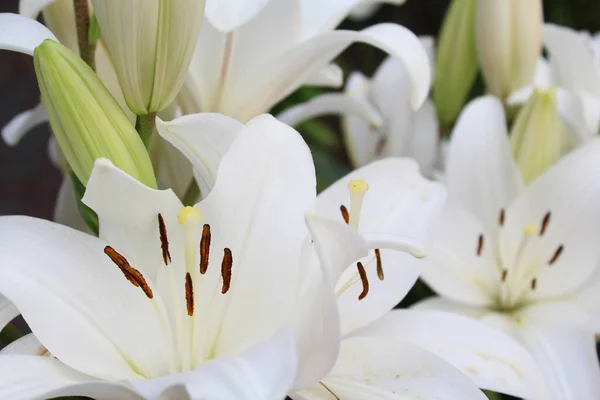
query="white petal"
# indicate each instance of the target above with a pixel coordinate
(561, 340)
(38, 378)
(230, 14)
(424, 138)
(390, 91)
(389, 368)
(8, 312)
(274, 80)
(173, 169)
(580, 112)
(66, 210)
(22, 123)
(31, 8)
(265, 184)
(570, 193)
(572, 59)
(22, 34)
(588, 299)
(109, 328)
(28, 345)
(491, 358)
(331, 103)
(400, 202)
(481, 174)
(203, 139)
(330, 76)
(443, 304)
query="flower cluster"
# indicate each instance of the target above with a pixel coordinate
(191, 256)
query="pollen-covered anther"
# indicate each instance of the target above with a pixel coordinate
(479, 244)
(556, 254)
(365, 281)
(380, 274)
(345, 214)
(189, 294)
(501, 217)
(226, 266)
(533, 283)
(357, 189)
(204, 248)
(134, 276)
(164, 241)
(545, 222)
(504, 275)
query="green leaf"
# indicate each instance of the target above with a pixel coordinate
(94, 31)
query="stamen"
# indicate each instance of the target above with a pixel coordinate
(557, 254)
(357, 189)
(226, 269)
(479, 244)
(504, 273)
(545, 223)
(345, 214)
(365, 281)
(329, 390)
(204, 248)
(189, 294)
(533, 283)
(379, 264)
(501, 217)
(134, 276)
(164, 241)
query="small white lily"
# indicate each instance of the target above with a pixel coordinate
(523, 259)
(245, 72)
(388, 197)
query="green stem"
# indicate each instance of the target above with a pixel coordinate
(145, 126)
(9, 334)
(87, 50)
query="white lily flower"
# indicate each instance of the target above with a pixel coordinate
(523, 259)
(398, 202)
(245, 72)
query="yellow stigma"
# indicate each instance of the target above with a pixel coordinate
(357, 189)
(189, 214)
(530, 229)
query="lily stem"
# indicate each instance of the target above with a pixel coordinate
(87, 50)
(9, 334)
(145, 125)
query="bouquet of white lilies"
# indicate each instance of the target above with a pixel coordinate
(191, 256)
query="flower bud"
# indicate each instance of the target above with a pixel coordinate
(86, 120)
(538, 136)
(151, 44)
(509, 42)
(456, 60)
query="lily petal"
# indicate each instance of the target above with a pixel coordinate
(8, 312)
(31, 8)
(424, 145)
(22, 34)
(228, 15)
(22, 123)
(481, 174)
(27, 345)
(66, 211)
(203, 139)
(330, 76)
(331, 103)
(491, 358)
(67, 281)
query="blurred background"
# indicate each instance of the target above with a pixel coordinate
(29, 182)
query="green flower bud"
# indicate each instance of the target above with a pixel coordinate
(86, 120)
(538, 136)
(456, 60)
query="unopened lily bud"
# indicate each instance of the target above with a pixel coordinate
(509, 42)
(151, 43)
(456, 60)
(538, 136)
(86, 120)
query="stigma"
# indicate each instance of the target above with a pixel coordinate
(357, 189)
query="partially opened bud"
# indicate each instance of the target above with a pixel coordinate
(151, 43)
(86, 120)
(509, 42)
(456, 60)
(538, 136)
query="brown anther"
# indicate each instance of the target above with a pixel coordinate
(504, 273)
(545, 221)
(501, 217)
(365, 281)
(480, 244)
(533, 283)
(345, 213)
(226, 269)
(204, 248)
(379, 264)
(189, 294)
(164, 241)
(557, 254)
(134, 276)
